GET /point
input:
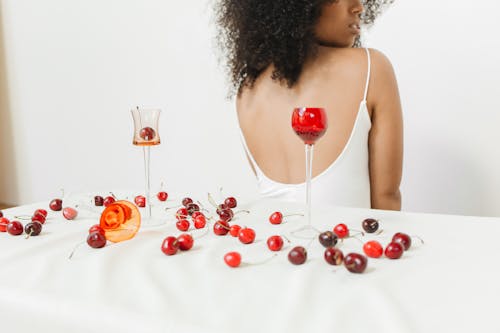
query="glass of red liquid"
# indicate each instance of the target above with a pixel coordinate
(146, 135)
(310, 125)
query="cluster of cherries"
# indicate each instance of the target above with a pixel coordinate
(354, 262)
(32, 228)
(189, 212)
(100, 201)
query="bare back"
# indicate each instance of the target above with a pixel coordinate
(335, 80)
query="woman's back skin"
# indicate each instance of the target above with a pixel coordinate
(335, 80)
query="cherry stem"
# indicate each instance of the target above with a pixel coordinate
(74, 249)
(417, 237)
(358, 232)
(265, 260)
(294, 214)
(286, 238)
(211, 200)
(28, 235)
(113, 195)
(23, 217)
(378, 232)
(242, 211)
(167, 208)
(222, 225)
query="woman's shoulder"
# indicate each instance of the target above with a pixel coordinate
(354, 56)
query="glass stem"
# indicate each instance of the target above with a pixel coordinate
(146, 171)
(309, 158)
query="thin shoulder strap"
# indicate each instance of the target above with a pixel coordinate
(368, 75)
(253, 164)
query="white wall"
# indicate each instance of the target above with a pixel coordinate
(71, 70)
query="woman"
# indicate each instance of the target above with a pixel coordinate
(284, 54)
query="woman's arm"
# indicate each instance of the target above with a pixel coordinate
(385, 141)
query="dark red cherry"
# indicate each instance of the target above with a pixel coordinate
(403, 239)
(15, 228)
(333, 256)
(186, 201)
(297, 255)
(230, 202)
(355, 262)
(98, 200)
(33, 228)
(56, 204)
(96, 240)
(162, 196)
(226, 214)
(394, 250)
(327, 239)
(370, 225)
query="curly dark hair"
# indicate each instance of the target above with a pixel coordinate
(254, 34)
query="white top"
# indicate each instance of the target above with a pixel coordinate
(346, 182)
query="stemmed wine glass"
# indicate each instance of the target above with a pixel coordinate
(146, 135)
(309, 124)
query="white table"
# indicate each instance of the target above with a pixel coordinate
(449, 284)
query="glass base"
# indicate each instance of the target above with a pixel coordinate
(306, 232)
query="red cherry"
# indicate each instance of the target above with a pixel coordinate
(33, 228)
(162, 196)
(97, 228)
(333, 256)
(185, 242)
(38, 217)
(276, 218)
(56, 205)
(275, 243)
(196, 214)
(226, 214)
(186, 201)
(403, 239)
(373, 249)
(41, 212)
(140, 201)
(147, 133)
(234, 230)
(3, 224)
(170, 245)
(15, 228)
(181, 213)
(221, 228)
(200, 221)
(230, 202)
(232, 259)
(355, 262)
(297, 255)
(246, 235)
(108, 201)
(341, 230)
(394, 250)
(182, 225)
(69, 213)
(96, 240)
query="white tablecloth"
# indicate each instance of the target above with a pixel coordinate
(449, 284)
